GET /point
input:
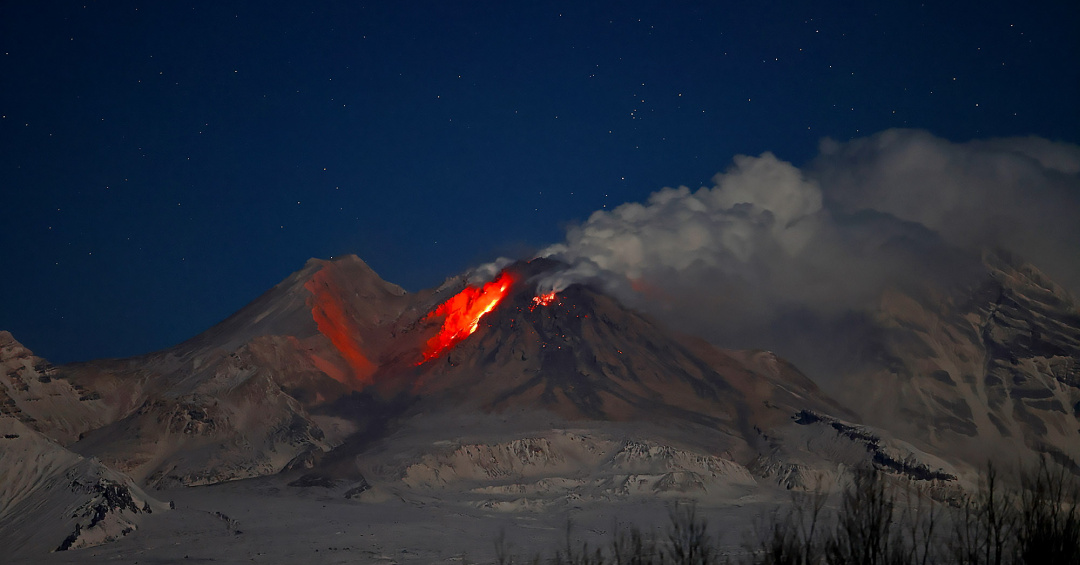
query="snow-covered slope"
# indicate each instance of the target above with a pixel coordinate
(237, 401)
(52, 499)
(992, 372)
(32, 392)
(560, 468)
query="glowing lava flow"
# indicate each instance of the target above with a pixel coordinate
(542, 300)
(462, 313)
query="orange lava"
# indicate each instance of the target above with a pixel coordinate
(542, 300)
(462, 312)
(329, 314)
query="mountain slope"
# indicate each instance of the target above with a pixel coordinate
(996, 370)
(583, 355)
(269, 388)
(234, 401)
(31, 392)
(52, 499)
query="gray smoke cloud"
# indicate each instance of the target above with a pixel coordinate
(772, 253)
(1021, 194)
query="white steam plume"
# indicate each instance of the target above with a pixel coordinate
(772, 251)
(486, 272)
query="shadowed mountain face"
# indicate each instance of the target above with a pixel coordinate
(994, 371)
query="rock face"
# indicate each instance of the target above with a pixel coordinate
(997, 370)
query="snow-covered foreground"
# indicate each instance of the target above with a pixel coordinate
(423, 498)
(267, 521)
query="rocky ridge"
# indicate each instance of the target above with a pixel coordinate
(995, 369)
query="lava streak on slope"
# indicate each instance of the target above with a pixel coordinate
(330, 317)
(462, 312)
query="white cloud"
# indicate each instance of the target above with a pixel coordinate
(760, 202)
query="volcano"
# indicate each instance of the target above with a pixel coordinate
(334, 354)
(582, 355)
(494, 395)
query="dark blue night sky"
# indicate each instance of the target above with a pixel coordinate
(163, 163)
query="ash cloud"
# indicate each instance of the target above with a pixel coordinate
(1022, 194)
(781, 257)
